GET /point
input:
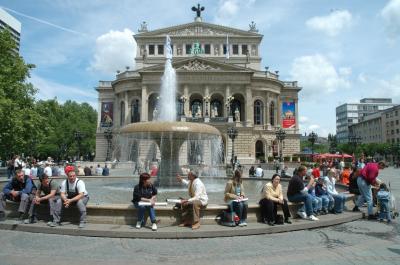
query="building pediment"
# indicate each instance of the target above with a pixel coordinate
(198, 29)
(198, 64)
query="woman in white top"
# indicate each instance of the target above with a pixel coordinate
(340, 199)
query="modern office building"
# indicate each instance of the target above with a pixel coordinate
(12, 24)
(219, 76)
(380, 127)
(351, 113)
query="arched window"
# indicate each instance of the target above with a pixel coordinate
(272, 113)
(235, 106)
(258, 112)
(197, 108)
(260, 152)
(122, 115)
(216, 108)
(135, 111)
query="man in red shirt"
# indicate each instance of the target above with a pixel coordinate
(315, 172)
(367, 178)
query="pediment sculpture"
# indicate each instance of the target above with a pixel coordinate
(196, 65)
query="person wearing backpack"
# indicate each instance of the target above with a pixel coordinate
(18, 189)
(234, 196)
(73, 192)
(47, 190)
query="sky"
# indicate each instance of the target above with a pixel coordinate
(339, 51)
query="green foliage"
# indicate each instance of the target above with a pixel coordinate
(43, 128)
(318, 148)
(19, 121)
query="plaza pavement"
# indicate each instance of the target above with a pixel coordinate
(357, 242)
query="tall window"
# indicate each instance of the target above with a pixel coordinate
(216, 108)
(235, 49)
(272, 113)
(244, 49)
(135, 111)
(207, 49)
(260, 153)
(151, 49)
(188, 48)
(122, 114)
(258, 112)
(160, 49)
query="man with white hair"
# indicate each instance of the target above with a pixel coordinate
(198, 199)
(47, 170)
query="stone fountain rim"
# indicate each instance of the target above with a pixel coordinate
(170, 126)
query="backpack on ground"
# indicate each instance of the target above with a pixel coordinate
(229, 218)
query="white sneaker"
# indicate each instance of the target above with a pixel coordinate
(302, 215)
(138, 225)
(312, 218)
(154, 227)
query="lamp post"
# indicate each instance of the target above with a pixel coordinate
(78, 138)
(232, 133)
(183, 99)
(108, 135)
(312, 138)
(206, 100)
(280, 136)
(228, 104)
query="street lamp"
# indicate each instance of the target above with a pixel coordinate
(228, 104)
(232, 133)
(183, 99)
(78, 138)
(312, 138)
(108, 135)
(280, 136)
(207, 100)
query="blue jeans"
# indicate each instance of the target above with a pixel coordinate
(340, 200)
(384, 211)
(317, 204)
(327, 202)
(365, 195)
(306, 199)
(142, 209)
(240, 208)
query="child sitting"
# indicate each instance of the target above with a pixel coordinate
(383, 197)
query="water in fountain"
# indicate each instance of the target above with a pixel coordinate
(167, 102)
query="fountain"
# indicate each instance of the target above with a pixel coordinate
(171, 136)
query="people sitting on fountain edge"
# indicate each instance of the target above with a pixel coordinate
(20, 189)
(144, 198)
(272, 196)
(198, 199)
(297, 192)
(48, 191)
(234, 196)
(73, 192)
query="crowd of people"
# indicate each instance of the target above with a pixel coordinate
(314, 189)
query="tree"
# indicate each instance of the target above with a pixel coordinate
(332, 143)
(62, 122)
(19, 123)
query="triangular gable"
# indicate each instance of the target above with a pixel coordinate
(198, 29)
(196, 63)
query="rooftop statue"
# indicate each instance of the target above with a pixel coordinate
(198, 11)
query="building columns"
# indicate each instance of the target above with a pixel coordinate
(249, 107)
(144, 107)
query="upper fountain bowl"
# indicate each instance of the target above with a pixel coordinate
(185, 130)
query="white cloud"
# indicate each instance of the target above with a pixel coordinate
(317, 75)
(114, 51)
(389, 87)
(49, 90)
(303, 119)
(332, 24)
(362, 78)
(228, 11)
(391, 16)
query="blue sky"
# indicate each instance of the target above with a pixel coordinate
(339, 51)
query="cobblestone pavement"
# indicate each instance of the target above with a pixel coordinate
(360, 242)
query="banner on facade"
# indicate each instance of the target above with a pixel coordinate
(288, 114)
(106, 114)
